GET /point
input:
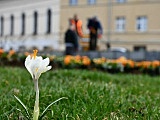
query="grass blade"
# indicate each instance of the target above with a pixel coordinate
(25, 108)
(45, 111)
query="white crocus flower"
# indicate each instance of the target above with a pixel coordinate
(36, 65)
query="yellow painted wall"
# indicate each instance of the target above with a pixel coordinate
(130, 10)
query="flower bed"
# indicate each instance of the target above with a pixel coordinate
(83, 62)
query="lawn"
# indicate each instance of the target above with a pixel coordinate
(92, 95)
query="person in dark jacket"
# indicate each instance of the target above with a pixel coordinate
(95, 29)
(71, 40)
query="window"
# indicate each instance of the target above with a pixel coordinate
(35, 23)
(121, 1)
(49, 16)
(120, 24)
(12, 25)
(73, 2)
(2, 25)
(23, 24)
(141, 24)
(91, 2)
(140, 48)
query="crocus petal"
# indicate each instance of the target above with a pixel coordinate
(47, 68)
(46, 61)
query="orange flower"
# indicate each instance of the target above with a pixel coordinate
(131, 63)
(77, 59)
(86, 61)
(144, 64)
(122, 60)
(1, 51)
(155, 63)
(11, 52)
(103, 59)
(67, 59)
(99, 60)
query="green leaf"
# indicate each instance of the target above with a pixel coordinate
(45, 111)
(25, 108)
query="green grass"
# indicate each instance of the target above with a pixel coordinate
(92, 95)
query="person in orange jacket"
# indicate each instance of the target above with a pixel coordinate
(79, 31)
(78, 24)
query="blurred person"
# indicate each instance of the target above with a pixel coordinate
(78, 25)
(71, 40)
(95, 30)
(78, 28)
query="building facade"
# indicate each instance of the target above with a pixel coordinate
(132, 24)
(29, 24)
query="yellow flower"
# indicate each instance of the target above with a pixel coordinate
(36, 65)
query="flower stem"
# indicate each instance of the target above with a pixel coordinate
(36, 106)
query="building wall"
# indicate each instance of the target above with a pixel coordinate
(28, 7)
(131, 10)
(107, 14)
